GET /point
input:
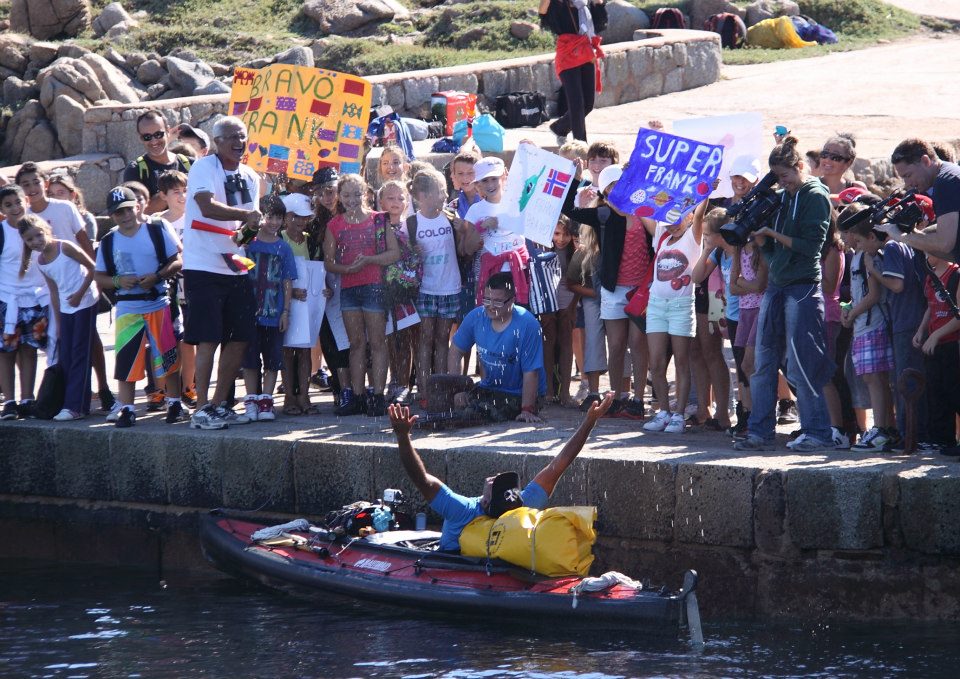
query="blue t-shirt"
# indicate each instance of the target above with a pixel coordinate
(507, 354)
(457, 511)
(273, 264)
(725, 262)
(135, 256)
(908, 306)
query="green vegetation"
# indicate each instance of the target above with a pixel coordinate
(478, 30)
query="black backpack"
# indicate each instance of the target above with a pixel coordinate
(155, 229)
(732, 30)
(521, 109)
(668, 17)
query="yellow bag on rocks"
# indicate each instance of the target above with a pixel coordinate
(775, 33)
(553, 542)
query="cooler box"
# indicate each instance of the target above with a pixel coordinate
(451, 106)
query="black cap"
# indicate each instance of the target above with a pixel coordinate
(504, 493)
(325, 175)
(119, 198)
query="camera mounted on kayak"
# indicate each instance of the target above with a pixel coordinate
(752, 213)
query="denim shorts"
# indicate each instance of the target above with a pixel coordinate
(672, 316)
(363, 298)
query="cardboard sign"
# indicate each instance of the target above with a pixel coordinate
(535, 191)
(306, 316)
(667, 176)
(301, 119)
(740, 135)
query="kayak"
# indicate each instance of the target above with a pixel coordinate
(403, 568)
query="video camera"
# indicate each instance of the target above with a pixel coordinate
(901, 209)
(752, 213)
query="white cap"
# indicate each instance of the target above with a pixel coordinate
(298, 204)
(609, 175)
(746, 167)
(489, 167)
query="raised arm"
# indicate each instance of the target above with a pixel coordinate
(549, 475)
(402, 421)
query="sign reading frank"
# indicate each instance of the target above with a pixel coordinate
(667, 176)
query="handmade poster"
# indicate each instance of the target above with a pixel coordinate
(306, 317)
(301, 119)
(332, 310)
(741, 135)
(667, 177)
(535, 191)
(406, 315)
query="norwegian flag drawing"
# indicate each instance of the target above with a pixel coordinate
(556, 183)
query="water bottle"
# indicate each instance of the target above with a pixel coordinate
(421, 521)
(382, 518)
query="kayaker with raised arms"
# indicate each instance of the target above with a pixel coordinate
(501, 493)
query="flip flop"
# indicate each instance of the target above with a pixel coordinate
(292, 410)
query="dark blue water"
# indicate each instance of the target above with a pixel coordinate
(58, 621)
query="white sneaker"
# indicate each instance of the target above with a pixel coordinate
(251, 407)
(797, 441)
(230, 417)
(676, 424)
(67, 415)
(659, 422)
(840, 440)
(265, 408)
(866, 439)
(582, 392)
(114, 413)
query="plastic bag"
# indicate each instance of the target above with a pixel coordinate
(488, 134)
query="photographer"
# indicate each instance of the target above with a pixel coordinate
(791, 323)
(920, 169)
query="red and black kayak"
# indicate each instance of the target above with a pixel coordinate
(403, 568)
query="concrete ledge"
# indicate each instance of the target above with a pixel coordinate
(838, 536)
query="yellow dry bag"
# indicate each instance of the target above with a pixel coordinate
(553, 542)
(776, 33)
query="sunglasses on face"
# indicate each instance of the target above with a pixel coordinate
(495, 303)
(160, 134)
(833, 156)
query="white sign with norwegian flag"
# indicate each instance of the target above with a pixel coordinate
(536, 189)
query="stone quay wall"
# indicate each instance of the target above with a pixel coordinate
(779, 537)
(658, 63)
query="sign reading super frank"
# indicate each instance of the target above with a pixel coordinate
(301, 119)
(667, 176)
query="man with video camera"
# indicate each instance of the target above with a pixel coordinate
(922, 171)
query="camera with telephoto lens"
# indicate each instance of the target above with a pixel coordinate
(752, 213)
(900, 209)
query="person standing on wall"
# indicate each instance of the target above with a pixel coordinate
(576, 24)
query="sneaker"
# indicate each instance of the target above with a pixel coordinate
(189, 397)
(231, 417)
(251, 407)
(676, 424)
(690, 410)
(866, 440)
(320, 379)
(265, 409)
(207, 417)
(156, 400)
(660, 421)
(67, 415)
(27, 409)
(739, 430)
(808, 444)
(754, 443)
(114, 412)
(588, 401)
(126, 418)
(397, 394)
(350, 405)
(376, 405)
(9, 411)
(615, 408)
(582, 392)
(176, 412)
(927, 447)
(787, 412)
(344, 397)
(632, 410)
(107, 401)
(840, 440)
(893, 442)
(800, 438)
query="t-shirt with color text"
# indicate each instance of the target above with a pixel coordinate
(274, 264)
(437, 246)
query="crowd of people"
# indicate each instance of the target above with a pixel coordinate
(204, 268)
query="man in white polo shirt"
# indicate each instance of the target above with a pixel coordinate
(222, 200)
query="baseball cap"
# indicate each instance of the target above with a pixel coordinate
(504, 493)
(325, 175)
(298, 204)
(489, 167)
(196, 133)
(119, 198)
(609, 175)
(781, 130)
(850, 194)
(746, 167)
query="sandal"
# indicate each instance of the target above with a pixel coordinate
(311, 410)
(292, 410)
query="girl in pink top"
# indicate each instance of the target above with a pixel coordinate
(353, 249)
(832, 264)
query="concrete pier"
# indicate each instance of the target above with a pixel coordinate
(839, 535)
